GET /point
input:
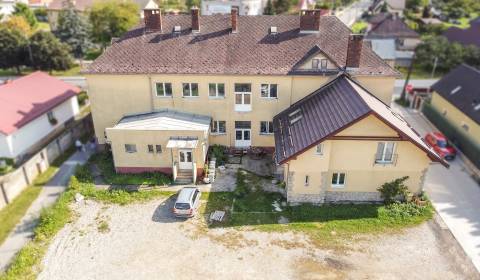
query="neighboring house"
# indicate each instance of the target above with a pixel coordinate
(385, 48)
(245, 7)
(34, 108)
(393, 6)
(391, 27)
(7, 6)
(469, 36)
(456, 97)
(166, 91)
(81, 6)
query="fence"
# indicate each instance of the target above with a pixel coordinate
(468, 147)
(13, 183)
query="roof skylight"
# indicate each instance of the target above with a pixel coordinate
(455, 90)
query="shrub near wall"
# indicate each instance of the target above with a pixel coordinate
(455, 134)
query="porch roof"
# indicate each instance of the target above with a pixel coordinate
(164, 120)
(183, 143)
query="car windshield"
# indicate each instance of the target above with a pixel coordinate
(442, 143)
(182, 206)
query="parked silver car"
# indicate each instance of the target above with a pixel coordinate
(188, 201)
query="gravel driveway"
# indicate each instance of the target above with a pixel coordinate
(143, 241)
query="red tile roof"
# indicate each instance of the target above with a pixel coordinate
(29, 97)
(215, 50)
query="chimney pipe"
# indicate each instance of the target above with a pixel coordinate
(153, 19)
(234, 20)
(354, 51)
(195, 20)
(310, 21)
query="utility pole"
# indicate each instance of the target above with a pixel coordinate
(435, 61)
(410, 68)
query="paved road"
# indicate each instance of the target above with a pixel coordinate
(23, 232)
(353, 12)
(454, 194)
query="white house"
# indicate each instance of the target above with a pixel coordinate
(245, 7)
(32, 109)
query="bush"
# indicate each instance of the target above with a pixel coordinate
(402, 102)
(394, 190)
(406, 210)
(218, 152)
(82, 98)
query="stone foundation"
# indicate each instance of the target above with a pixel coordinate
(305, 198)
(339, 197)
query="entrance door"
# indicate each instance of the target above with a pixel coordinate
(243, 136)
(185, 159)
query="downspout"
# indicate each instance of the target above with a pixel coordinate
(152, 107)
(291, 90)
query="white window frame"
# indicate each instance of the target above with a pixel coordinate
(243, 107)
(130, 151)
(269, 91)
(216, 124)
(384, 153)
(316, 61)
(269, 127)
(322, 61)
(190, 90)
(164, 90)
(337, 183)
(319, 149)
(216, 96)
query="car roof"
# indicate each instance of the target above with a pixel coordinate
(439, 136)
(185, 195)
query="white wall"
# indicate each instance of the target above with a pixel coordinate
(36, 130)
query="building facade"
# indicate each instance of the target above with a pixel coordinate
(234, 72)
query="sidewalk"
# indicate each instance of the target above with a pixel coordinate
(23, 232)
(454, 194)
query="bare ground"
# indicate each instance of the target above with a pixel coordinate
(143, 241)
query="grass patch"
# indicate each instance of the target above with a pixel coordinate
(103, 227)
(8, 165)
(359, 27)
(74, 71)
(13, 212)
(419, 73)
(104, 162)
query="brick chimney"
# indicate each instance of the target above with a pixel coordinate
(234, 20)
(152, 17)
(310, 21)
(195, 20)
(354, 51)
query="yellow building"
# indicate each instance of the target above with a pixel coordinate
(234, 72)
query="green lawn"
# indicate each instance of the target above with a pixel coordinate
(464, 22)
(418, 73)
(74, 71)
(359, 27)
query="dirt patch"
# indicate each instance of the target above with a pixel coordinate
(144, 241)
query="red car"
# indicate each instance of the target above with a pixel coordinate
(439, 143)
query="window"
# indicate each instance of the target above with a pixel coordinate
(50, 116)
(243, 97)
(150, 148)
(216, 90)
(130, 148)
(385, 152)
(158, 148)
(164, 89)
(190, 89)
(315, 63)
(324, 63)
(338, 180)
(218, 127)
(295, 116)
(243, 88)
(319, 150)
(268, 90)
(266, 127)
(307, 180)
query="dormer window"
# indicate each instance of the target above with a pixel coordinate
(295, 116)
(315, 63)
(319, 63)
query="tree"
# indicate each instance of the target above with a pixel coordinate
(19, 24)
(269, 10)
(12, 49)
(281, 6)
(394, 190)
(23, 10)
(112, 18)
(192, 3)
(48, 53)
(73, 29)
(448, 54)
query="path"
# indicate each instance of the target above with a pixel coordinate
(23, 232)
(454, 194)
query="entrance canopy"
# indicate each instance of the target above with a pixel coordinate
(182, 143)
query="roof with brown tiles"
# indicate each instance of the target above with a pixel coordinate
(215, 50)
(329, 110)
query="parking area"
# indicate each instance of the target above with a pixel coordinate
(144, 241)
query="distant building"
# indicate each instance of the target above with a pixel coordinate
(383, 28)
(245, 7)
(469, 36)
(7, 6)
(34, 109)
(393, 6)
